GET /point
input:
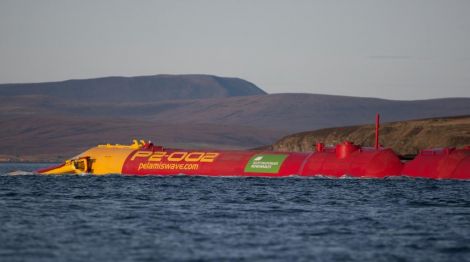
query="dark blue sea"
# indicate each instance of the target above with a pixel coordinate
(130, 218)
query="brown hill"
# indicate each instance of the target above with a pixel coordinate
(286, 112)
(40, 122)
(405, 137)
(52, 138)
(135, 89)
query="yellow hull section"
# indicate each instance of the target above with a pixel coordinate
(105, 161)
(99, 160)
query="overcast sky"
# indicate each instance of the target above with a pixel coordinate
(396, 49)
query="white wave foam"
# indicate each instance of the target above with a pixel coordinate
(20, 173)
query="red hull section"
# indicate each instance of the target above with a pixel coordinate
(372, 163)
(345, 159)
(444, 163)
(213, 163)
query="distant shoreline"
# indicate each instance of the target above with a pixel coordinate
(403, 137)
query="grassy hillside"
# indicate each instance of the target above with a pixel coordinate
(404, 137)
(287, 112)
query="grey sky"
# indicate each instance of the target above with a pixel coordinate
(398, 49)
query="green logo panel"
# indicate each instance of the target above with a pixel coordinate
(262, 163)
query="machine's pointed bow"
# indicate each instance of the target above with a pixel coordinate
(72, 166)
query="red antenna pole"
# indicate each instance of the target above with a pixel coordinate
(377, 126)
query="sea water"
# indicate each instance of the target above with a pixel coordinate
(179, 218)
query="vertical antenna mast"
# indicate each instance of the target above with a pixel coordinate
(377, 126)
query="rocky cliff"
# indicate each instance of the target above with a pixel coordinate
(404, 137)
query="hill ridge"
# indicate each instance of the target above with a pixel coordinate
(137, 89)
